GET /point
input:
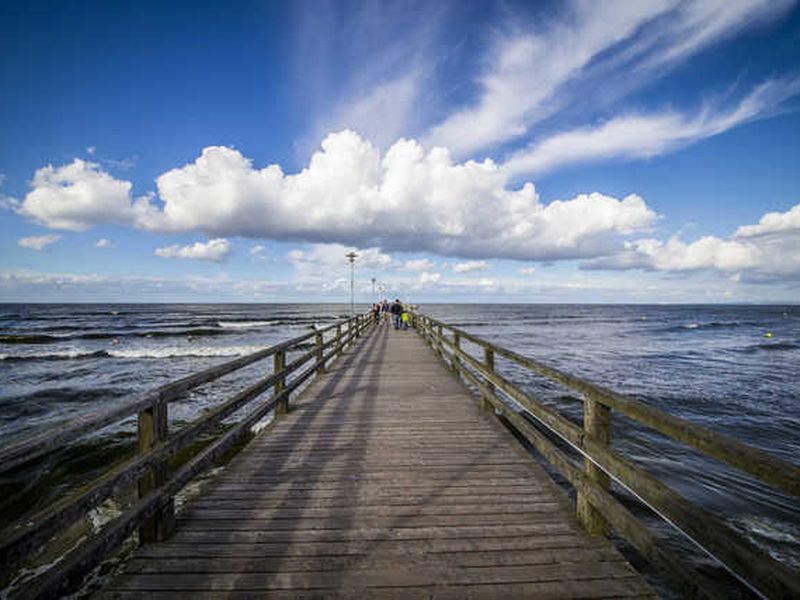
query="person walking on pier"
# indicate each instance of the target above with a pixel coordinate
(397, 311)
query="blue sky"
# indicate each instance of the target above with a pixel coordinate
(608, 151)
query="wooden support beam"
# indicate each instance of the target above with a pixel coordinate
(279, 364)
(596, 427)
(455, 362)
(153, 430)
(320, 361)
(488, 360)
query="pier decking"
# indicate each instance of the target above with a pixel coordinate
(386, 479)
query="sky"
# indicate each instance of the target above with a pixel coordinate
(601, 151)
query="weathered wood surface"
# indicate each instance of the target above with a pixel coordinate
(385, 480)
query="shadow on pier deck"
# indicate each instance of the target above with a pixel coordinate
(386, 479)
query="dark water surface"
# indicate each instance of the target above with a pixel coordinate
(735, 369)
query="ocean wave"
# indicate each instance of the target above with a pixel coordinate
(15, 339)
(773, 346)
(180, 351)
(56, 355)
(135, 353)
(709, 325)
(30, 338)
(245, 324)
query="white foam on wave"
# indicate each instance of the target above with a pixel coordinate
(152, 352)
(245, 324)
(53, 354)
(177, 351)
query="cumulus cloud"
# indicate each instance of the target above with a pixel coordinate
(103, 243)
(405, 199)
(774, 222)
(38, 242)
(215, 250)
(644, 136)
(764, 252)
(77, 196)
(470, 265)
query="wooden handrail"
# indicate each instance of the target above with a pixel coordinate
(769, 469)
(754, 568)
(32, 530)
(48, 438)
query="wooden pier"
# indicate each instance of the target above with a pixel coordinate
(385, 480)
(393, 469)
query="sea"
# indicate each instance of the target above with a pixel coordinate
(732, 368)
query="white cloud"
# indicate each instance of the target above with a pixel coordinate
(258, 253)
(329, 257)
(366, 68)
(527, 69)
(603, 49)
(426, 278)
(421, 264)
(643, 136)
(774, 222)
(215, 250)
(77, 196)
(406, 199)
(527, 270)
(763, 252)
(381, 113)
(38, 242)
(470, 265)
(91, 150)
(699, 23)
(103, 243)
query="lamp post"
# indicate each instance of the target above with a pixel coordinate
(351, 256)
(374, 299)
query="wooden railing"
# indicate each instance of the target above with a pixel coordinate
(597, 509)
(153, 512)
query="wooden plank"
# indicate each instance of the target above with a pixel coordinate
(618, 588)
(360, 532)
(380, 483)
(370, 558)
(542, 541)
(417, 574)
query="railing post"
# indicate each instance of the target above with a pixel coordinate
(153, 426)
(338, 340)
(278, 365)
(597, 426)
(456, 362)
(488, 359)
(320, 364)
